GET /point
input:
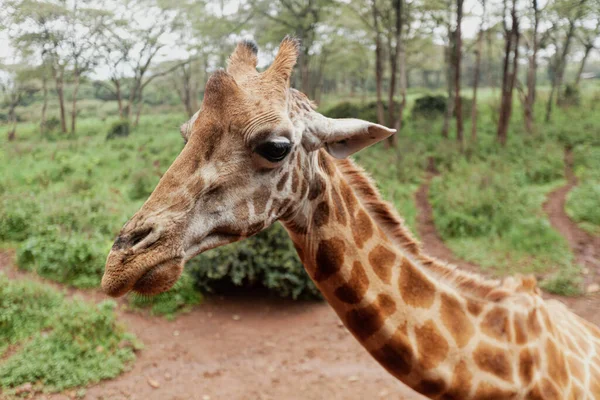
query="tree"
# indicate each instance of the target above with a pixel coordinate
(573, 12)
(532, 47)
(302, 18)
(40, 29)
(129, 47)
(587, 38)
(16, 88)
(509, 68)
(86, 26)
(457, 62)
(476, 73)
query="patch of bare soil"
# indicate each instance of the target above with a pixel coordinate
(585, 247)
(246, 346)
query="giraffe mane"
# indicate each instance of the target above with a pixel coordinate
(393, 225)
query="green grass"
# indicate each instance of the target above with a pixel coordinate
(58, 343)
(583, 202)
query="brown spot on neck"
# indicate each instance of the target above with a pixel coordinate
(353, 291)
(366, 321)
(456, 320)
(396, 355)
(362, 228)
(431, 345)
(382, 260)
(329, 258)
(493, 360)
(495, 324)
(416, 289)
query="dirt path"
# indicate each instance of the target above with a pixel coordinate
(248, 346)
(585, 247)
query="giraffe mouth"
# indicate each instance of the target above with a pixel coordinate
(159, 278)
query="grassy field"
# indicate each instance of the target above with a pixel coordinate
(57, 343)
(64, 198)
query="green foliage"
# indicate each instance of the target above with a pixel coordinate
(571, 96)
(429, 106)
(142, 185)
(118, 129)
(72, 343)
(68, 258)
(16, 217)
(267, 259)
(566, 282)
(24, 309)
(180, 298)
(583, 205)
(368, 111)
(52, 124)
(489, 209)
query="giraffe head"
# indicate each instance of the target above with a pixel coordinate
(245, 164)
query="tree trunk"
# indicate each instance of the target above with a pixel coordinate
(12, 122)
(403, 85)
(74, 108)
(44, 105)
(508, 77)
(378, 65)
(58, 78)
(117, 84)
(588, 49)
(457, 60)
(532, 73)
(476, 73)
(394, 53)
(449, 82)
(563, 59)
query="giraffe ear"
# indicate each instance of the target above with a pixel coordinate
(344, 137)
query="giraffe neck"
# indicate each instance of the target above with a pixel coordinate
(438, 330)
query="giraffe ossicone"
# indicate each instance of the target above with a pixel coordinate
(258, 152)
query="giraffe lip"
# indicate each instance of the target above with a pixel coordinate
(159, 278)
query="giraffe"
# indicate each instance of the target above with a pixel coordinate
(258, 152)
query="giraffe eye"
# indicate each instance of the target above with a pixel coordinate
(274, 151)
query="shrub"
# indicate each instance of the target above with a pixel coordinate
(267, 259)
(434, 106)
(180, 298)
(52, 124)
(143, 184)
(25, 308)
(583, 205)
(571, 96)
(81, 344)
(429, 106)
(17, 219)
(368, 111)
(72, 258)
(120, 128)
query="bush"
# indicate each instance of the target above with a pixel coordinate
(429, 106)
(368, 112)
(434, 106)
(267, 259)
(143, 184)
(118, 129)
(17, 219)
(571, 96)
(583, 205)
(52, 124)
(72, 258)
(180, 298)
(73, 343)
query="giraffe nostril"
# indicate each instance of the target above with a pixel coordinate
(138, 236)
